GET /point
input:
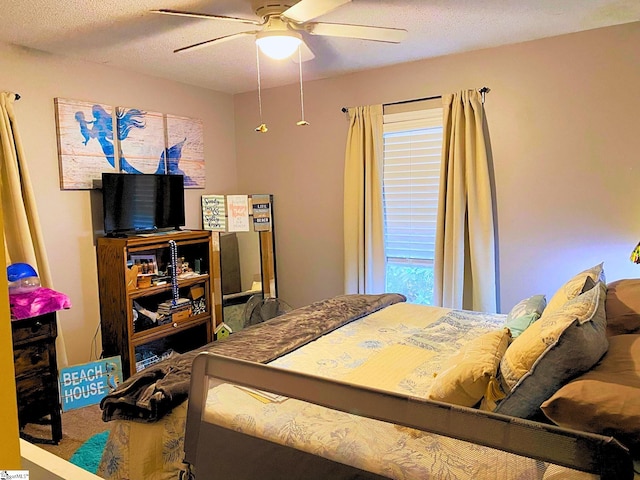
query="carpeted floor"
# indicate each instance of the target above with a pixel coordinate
(77, 427)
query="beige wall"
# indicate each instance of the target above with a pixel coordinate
(563, 115)
(565, 136)
(66, 215)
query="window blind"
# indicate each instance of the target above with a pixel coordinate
(412, 151)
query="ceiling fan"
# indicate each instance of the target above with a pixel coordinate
(282, 23)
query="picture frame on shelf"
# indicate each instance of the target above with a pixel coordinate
(147, 263)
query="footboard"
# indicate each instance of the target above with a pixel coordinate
(586, 452)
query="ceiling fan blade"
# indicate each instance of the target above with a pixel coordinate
(306, 54)
(378, 34)
(207, 43)
(180, 13)
(306, 10)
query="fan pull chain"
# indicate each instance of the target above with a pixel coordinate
(302, 122)
(262, 128)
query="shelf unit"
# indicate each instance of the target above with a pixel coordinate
(130, 324)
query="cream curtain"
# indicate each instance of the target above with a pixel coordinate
(23, 241)
(364, 254)
(465, 266)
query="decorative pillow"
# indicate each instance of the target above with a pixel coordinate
(623, 307)
(524, 313)
(575, 286)
(520, 324)
(556, 348)
(606, 399)
(467, 374)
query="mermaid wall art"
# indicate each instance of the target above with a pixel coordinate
(95, 138)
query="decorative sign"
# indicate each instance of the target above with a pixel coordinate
(238, 213)
(213, 214)
(95, 138)
(261, 213)
(141, 141)
(185, 149)
(85, 142)
(87, 384)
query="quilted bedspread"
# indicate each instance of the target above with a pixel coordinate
(155, 391)
(396, 347)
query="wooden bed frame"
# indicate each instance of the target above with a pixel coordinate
(207, 446)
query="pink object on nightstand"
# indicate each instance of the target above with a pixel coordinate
(37, 302)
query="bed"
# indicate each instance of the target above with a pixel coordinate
(341, 411)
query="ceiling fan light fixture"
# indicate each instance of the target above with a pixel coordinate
(279, 44)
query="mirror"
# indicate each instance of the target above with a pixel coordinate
(240, 274)
(247, 269)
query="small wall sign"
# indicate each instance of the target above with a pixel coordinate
(238, 213)
(213, 213)
(261, 213)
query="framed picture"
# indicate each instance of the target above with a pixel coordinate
(142, 141)
(185, 149)
(85, 142)
(147, 264)
(213, 213)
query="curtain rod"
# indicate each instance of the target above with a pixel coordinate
(482, 90)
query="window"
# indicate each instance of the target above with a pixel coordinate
(412, 152)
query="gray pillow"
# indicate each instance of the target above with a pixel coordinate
(556, 348)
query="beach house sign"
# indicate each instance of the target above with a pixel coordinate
(86, 384)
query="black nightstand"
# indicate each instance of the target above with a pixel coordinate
(34, 355)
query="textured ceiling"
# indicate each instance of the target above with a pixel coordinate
(124, 34)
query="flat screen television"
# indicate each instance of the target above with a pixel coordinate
(142, 202)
